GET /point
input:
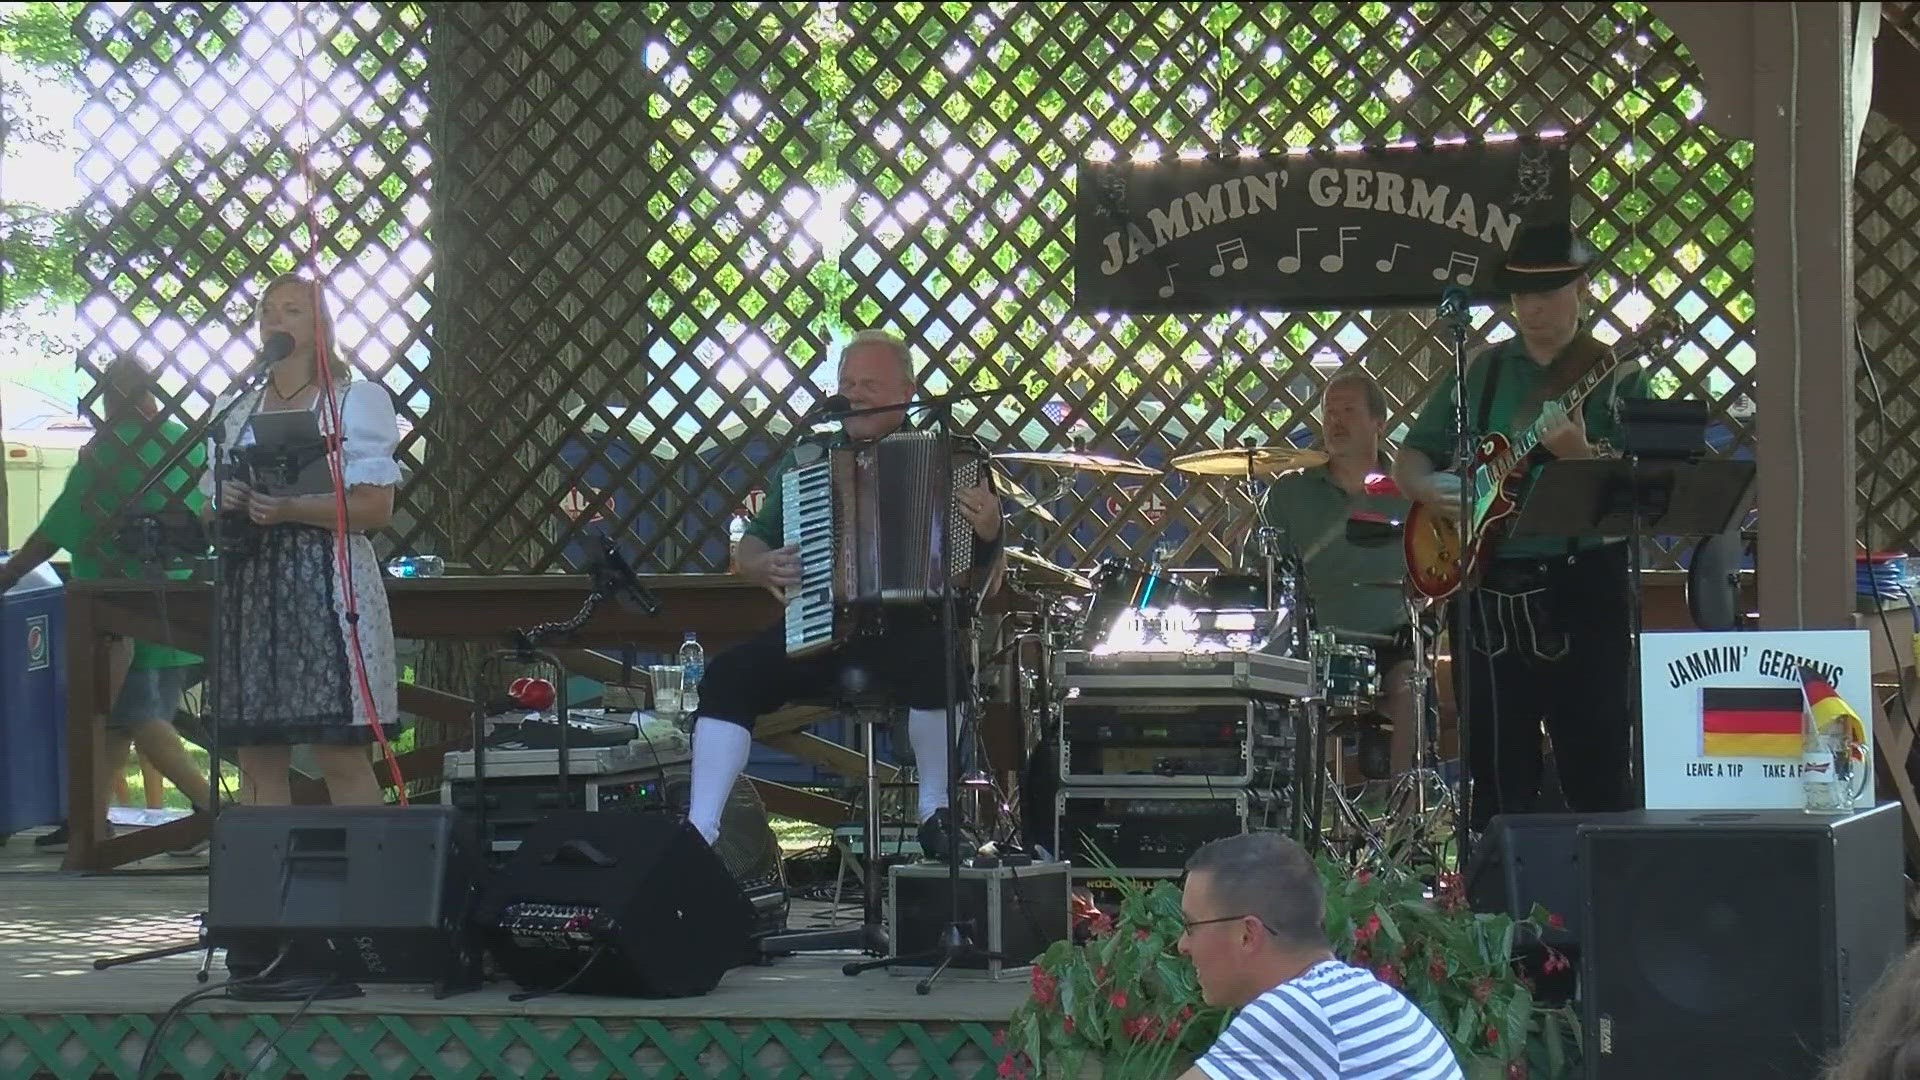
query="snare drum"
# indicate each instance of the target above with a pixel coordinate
(1349, 674)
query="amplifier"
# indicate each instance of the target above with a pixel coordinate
(1228, 673)
(1189, 741)
(517, 804)
(1013, 912)
(1158, 828)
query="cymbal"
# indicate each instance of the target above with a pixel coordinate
(1099, 463)
(1240, 460)
(1022, 498)
(1045, 573)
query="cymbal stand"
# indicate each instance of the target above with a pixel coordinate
(1424, 778)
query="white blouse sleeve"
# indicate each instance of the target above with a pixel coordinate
(372, 436)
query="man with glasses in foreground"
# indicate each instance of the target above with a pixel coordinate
(1254, 914)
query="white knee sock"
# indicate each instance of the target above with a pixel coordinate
(720, 750)
(927, 732)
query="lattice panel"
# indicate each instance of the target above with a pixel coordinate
(1887, 222)
(334, 1047)
(653, 224)
(204, 127)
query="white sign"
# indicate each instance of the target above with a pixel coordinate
(1724, 714)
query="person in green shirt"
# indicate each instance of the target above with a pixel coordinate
(1551, 628)
(758, 676)
(1356, 585)
(112, 468)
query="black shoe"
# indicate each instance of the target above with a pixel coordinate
(52, 843)
(934, 839)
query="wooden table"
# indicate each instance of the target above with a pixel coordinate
(721, 609)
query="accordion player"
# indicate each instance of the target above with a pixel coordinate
(868, 521)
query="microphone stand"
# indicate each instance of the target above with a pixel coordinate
(1453, 309)
(215, 429)
(955, 943)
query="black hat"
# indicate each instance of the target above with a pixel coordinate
(1543, 257)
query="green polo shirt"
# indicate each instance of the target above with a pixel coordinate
(1311, 512)
(1433, 431)
(112, 467)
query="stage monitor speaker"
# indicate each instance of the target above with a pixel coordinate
(1734, 944)
(380, 894)
(1528, 859)
(629, 905)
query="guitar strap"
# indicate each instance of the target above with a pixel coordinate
(1485, 422)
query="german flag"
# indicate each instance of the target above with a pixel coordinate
(1832, 715)
(1751, 721)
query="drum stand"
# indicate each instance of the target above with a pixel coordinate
(1420, 801)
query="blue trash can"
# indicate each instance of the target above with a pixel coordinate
(33, 703)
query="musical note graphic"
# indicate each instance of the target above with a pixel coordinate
(1468, 265)
(1290, 264)
(1333, 263)
(1167, 289)
(1386, 264)
(1219, 266)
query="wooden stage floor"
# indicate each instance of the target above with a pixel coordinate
(796, 1012)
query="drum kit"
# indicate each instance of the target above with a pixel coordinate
(1130, 607)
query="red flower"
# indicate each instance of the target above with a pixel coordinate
(1138, 1028)
(1186, 1013)
(1006, 1066)
(1364, 934)
(1361, 957)
(1171, 1031)
(1362, 877)
(1493, 1034)
(1437, 969)
(1099, 974)
(1556, 961)
(1483, 989)
(1000, 1037)
(1554, 920)
(1043, 987)
(1066, 1025)
(1516, 1070)
(1388, 974)
(1117, 999)
(1141, 934)
(1101, 924)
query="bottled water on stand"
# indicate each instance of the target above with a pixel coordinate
(693, 665)
(1825, 790)
(407, 566)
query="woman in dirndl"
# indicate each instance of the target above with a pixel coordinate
(306, 654)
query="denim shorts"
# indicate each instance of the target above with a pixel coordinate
(151, 695)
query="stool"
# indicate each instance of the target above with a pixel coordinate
(864, 709)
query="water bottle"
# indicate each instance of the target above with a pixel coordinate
(1822, 787)
(736, 532)
(693, 665)
(416, 566)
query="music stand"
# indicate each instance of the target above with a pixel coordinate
(1632, 497)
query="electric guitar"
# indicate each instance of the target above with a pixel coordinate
(1436, 566)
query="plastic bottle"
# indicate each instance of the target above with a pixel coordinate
(736, 532)
(1820, 780)
(414, 566)
(693, 665)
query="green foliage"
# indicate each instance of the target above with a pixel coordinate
(1127, 996)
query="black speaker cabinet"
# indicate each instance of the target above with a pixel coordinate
(630, 905)
(1528, 859)
(1734, 944)
(379, 894)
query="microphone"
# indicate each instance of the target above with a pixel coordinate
(277, 347)
(612, 573)
(1453, 303)
(831, 408)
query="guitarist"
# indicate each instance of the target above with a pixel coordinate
(1551, 641)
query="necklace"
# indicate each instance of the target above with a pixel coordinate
(296, 392)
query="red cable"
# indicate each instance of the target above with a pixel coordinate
(343, 561)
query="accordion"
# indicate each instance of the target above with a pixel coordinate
(867, 521)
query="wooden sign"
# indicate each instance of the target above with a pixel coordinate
(1387, 227)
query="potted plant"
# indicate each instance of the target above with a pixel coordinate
(1121, 1003)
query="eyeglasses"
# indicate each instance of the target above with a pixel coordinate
(1191, 924)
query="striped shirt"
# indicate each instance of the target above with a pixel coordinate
(1332, 1022)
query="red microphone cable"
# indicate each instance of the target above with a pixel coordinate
(343, 560)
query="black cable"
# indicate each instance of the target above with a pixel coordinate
(565, 984)
(173, 1012)
(1866, 531)
(288, 1026)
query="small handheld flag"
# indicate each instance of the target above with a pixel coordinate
(1832, 714)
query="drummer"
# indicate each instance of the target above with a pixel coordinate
(1351, 581)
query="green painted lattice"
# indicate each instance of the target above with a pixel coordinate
(203, 1047)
